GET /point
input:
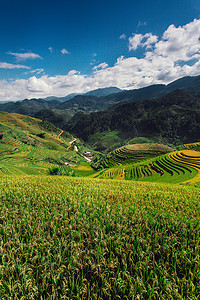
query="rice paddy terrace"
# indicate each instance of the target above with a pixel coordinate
(30, 146)
(153, 162)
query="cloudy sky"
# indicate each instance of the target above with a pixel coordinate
(54, 48)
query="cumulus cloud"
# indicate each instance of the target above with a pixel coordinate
(64, 51)
(180, 43)
(37, 85)
(5, 65)
(24, 56)
(140, 40)
(174, 55)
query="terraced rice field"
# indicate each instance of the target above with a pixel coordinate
(189, 158)
(193, 146)
(134, 153)
(174, 167)
(27, 159)
(27, 146)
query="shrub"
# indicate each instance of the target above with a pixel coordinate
(54, 171)
(41, 135)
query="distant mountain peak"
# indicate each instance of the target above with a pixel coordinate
(102, 92)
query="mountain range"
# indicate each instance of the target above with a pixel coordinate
(100, 99)
(170, 112)
(173, 117)
(98, 93)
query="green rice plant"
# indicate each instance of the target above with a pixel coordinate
(175, 167)
(75, 238)
(130, 154)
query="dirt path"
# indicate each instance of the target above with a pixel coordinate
(76, 149)
(70, 143)
(58, 136)
(88, 159)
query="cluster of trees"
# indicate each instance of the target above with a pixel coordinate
(173, 117)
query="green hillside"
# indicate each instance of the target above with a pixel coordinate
(173, 118)
(32, 146)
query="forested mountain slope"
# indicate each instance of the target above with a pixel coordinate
(174, 116)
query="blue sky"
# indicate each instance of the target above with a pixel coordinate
(60, 47)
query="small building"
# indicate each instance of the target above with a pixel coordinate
(88, 154)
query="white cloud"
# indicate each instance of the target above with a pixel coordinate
(140, 40)
(174, 55)
(101, 66)
(180, 43)
(93, 62)
(64, 51)
(135, 41)
(151, 39)
(50, 49)
(141, 24)
(37, 71)
(122, 36)
(37, 85)
(5, 65)
(24, 56)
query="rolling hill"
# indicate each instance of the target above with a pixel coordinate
(31, 146)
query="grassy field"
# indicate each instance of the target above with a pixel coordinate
(81, 238)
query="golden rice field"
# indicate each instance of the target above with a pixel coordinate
(174, 167)
(81, 238)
